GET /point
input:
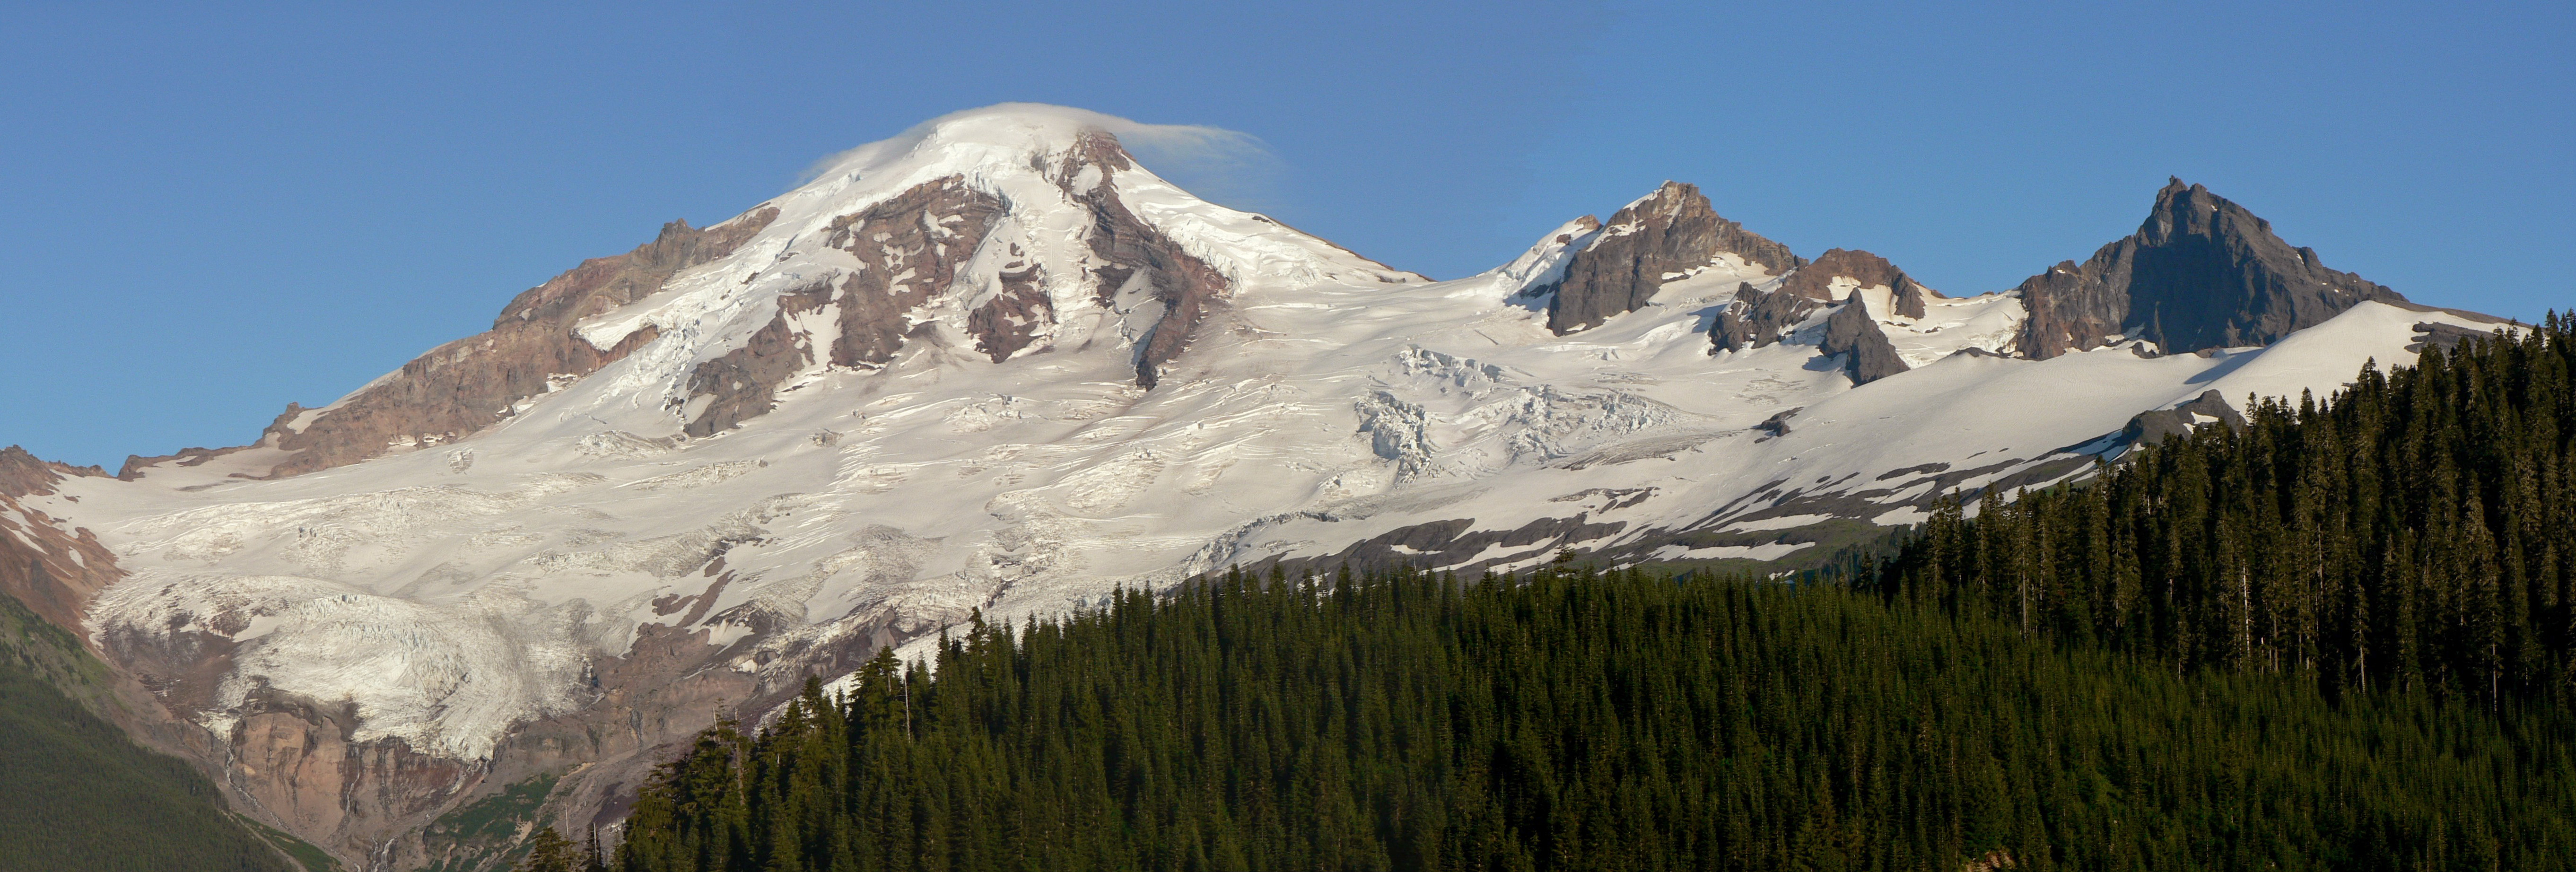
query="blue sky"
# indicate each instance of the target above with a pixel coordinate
(207, 213)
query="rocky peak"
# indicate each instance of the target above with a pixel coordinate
(1867, 354)
(1651, 241)
(2201, 272)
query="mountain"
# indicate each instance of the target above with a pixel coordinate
(996, 368)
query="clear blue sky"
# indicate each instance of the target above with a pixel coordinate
(208, 213)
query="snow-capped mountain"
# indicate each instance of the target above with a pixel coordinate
(996, 366)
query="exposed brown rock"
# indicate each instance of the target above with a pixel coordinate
(136, 464)
(1186, 287)
(2201, 273)
(1010, 321)
(56, 575)
(1814, 280)
(1672, 230)
(467, 385)
(911, 248)
(25, 474)
(296, 760)
(743, 383)
(906, 261)
(1868, 356)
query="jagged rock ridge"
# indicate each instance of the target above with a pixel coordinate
(1758, 318)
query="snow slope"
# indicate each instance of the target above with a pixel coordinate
(452, 591)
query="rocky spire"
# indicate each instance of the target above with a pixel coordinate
(1867, 354)
(2201, 273)
(1669, 231)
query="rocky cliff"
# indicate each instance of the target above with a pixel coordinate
(1654, 240)
(2201, 273)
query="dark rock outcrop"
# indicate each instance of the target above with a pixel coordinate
(1010, 321)
(464, 386)
(1672, 230)
(1758, 318)
(1449, 546)
(1851, 332)
(2201, 273)
(2435, 334)
(2148, 428)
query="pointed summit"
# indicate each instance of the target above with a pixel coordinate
(2200, 273)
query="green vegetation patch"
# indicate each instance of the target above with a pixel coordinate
(486, 834)
(80, 795)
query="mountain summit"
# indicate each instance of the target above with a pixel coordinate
(994, 368)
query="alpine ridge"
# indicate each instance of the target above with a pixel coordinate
(995, 368)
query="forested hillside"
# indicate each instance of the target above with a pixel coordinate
(2416, 532)
(76, 793)
(2337, 639)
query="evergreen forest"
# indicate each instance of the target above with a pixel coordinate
(80, 795)
(2338, 638)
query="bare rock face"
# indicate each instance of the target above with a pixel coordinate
(743, 383)
(1758, 318)
(1851, 332)
(1011, 319)
(1671, 231)
(296, 761)
(912, 247)
(2201, 273)
(467, 385)
(1814, 280)
(1184, 287)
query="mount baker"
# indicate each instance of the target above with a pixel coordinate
(994, 367)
